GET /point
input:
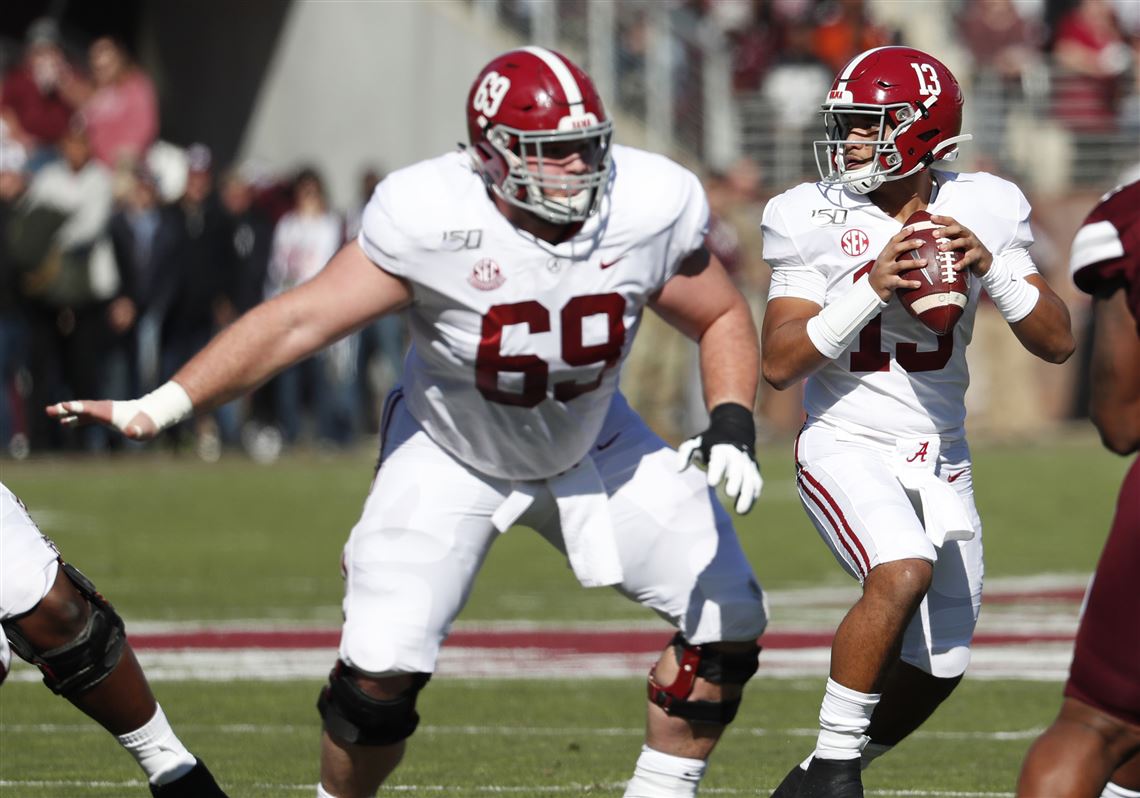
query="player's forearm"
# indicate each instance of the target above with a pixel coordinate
(788, 354)
(1047, 331)
(263, 342)
(730, 359)
(1114, 402)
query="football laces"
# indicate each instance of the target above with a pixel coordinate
(946, 264)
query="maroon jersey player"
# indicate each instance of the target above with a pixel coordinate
(1093, 747)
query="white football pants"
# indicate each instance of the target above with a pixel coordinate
(866, 517)
(411, 560)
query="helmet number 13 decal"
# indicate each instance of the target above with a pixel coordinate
(490, 94)
(927, 79)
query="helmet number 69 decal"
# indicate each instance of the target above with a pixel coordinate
(490, 94)
(925, 73)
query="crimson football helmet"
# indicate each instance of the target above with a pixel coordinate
(529, 107)
(917, 103)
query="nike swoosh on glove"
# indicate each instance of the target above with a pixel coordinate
(728, 449)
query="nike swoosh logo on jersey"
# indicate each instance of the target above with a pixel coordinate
(953, 477)
(612, 262)
(607, 444)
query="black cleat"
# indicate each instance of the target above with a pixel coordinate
(832, 778)
(790, 786)
(197, 782)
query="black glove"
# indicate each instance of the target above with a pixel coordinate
(728, 447)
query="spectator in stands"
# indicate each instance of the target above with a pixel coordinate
(197, 284)
(754, 45)
(250, 237)
(146, 241)
(1094, 62)
(793, 88)
(632, 51)
(119, 104)
(844, 30)
(59, 237)
(34, 100)
(13, 333)
(1005, 47)
(1000, 40)
(305, 239)
(383, 342)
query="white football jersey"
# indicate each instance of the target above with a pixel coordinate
(517, 343)
(819, 239)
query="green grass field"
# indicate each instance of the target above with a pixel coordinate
(174, 539)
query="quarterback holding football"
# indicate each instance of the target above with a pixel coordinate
(870, 303)
(525, 261)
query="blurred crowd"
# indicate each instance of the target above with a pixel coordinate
(792, 48)
(121, 255)
(1073, 63)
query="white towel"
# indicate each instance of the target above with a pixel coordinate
(943, 513)
(583, 509)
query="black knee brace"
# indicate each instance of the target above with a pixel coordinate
(77, 666)
(713, 665)
(352, 715)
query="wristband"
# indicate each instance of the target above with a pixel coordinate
(834, 328)
(166, 406)
(730, 423)
(1012, 295)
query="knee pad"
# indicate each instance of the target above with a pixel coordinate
(713, 665)
(350, 714)
(77, 666)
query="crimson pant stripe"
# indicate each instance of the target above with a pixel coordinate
(862, 560)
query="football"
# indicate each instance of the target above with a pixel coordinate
(939, 301)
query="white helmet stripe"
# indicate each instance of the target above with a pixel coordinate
(851, 67)
(569, 86)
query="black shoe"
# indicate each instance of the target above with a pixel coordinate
(197, 782)
(790, 786)
(832, 778)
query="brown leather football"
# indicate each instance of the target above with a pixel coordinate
(940, 300)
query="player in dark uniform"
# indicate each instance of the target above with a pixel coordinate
(1096, 736)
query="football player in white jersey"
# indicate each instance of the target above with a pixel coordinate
(54, 618)
(525, 262)
(882, 465)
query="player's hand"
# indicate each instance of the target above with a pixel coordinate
(953, 235)
(884, 276)
(126, 417)
(728, 449)
(140, 419)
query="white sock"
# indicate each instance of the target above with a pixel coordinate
(871, 752)
(1116, 791)
(157, 749)
(321, 793)
(843, 721)
(659, 775)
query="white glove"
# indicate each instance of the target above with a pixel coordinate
(727, 449)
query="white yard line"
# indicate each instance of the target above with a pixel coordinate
(489, 789)
(506, 731)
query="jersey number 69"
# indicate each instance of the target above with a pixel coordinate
(490, 361)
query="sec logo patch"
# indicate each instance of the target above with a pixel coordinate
(854, 242)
